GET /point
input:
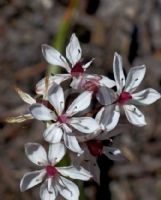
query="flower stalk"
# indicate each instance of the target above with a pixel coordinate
(62, 32)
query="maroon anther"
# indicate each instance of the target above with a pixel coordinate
(124, 97)
(77, 69)
(95, 147)
(51, 170)
(62, 118)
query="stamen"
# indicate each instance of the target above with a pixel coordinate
(61, 58)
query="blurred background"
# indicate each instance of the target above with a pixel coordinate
(133, 29)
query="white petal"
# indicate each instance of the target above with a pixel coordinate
(76, 82)
(66, 128)
(146, 97)
(48, 193)
(56, 98)
(90, 163)
(134, 78)
(95, 170)
(56, 152)
(42, 86)
(31, 179)
(53, 134)
(101, 80)
(59, 78)
(99, 115)
(118, 72)
(84, 124)
(85, 66)
(80, 103)
(113, 153)
(67, 189)
(105, 81)
(110, 117)
(75, 173)
(72, 143)
(134, 115)
(105, 96)
(41, 112)
(53, 57)
(25, 97)
(36, 153)
(73, 50)
(108, 134)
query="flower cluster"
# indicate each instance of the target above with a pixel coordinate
(80, 112)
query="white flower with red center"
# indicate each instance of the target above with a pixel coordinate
(92, 150)
(53, 57)
(125, 97)
(54, 182)
(99, 144)
(61, 122)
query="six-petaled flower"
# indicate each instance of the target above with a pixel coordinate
(61, 122)
(53, 179)
(125, 97)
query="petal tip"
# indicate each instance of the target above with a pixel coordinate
(117, 54)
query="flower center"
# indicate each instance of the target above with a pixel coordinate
(77, 69)
(124, 97)
(51, 170)
(95, 147)
(62, 118)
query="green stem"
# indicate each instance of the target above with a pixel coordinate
(81, 189)
(59, 40)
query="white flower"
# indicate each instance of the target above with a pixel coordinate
(53, 177)
(125, 97)
(61, 121)
(92, 150)
(53, 57)
(96, 146)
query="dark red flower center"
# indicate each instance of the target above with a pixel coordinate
(77, 69)
(51, 170)
(95, 147)
(124, 97)
(62, 118)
